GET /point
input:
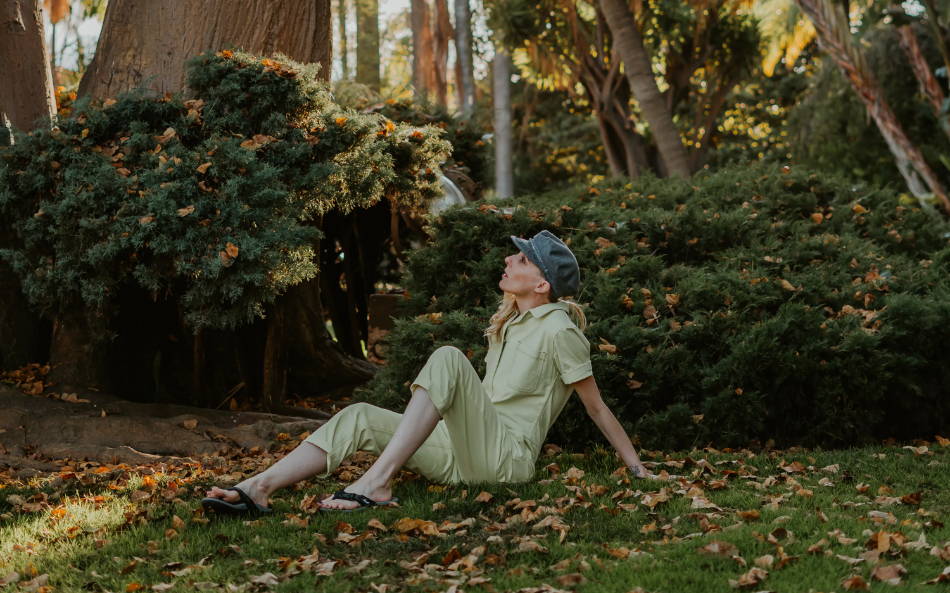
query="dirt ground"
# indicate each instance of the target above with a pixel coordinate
(36, 430)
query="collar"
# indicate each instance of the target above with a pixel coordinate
(542, 310)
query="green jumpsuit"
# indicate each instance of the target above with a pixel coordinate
(492, 429)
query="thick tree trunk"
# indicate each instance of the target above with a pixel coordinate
(463, 56)
(146, 43)
(423, 51)
(26, 98)
(367, 43)
(834, 36)
(291, 349)
(501, 99)
(639, 71)
(442, 36)
(26, 82)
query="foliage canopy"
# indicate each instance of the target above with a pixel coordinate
(209, 200)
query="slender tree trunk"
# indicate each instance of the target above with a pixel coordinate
(639, 71)
(834, 36)
(423, 53)
(442, 36)
(146, 43)
(501, 97)
(342, 10)
(26, 81)
(929, 87)
(463, 56)
(367, 43)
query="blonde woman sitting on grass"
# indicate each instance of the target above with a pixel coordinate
(458, 427)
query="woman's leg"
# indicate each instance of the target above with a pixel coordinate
(418, 422)
(304, 461)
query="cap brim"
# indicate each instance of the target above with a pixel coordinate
(525, 247)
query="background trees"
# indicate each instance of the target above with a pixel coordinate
(561, 92)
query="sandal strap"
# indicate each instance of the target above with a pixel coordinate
(361, 500)
(248, 502)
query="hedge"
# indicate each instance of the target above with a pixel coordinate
(753, 304)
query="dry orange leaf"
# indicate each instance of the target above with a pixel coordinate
(483, 496)
(231, 249)
(855, 582)
(186, 210)
(203, 168)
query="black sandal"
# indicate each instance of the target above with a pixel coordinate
(363, 501)
(246, 506)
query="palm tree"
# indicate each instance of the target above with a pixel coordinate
(639, 70)
(834, 37)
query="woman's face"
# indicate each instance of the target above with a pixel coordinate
(520, 276)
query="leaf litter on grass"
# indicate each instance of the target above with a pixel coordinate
(543, 536)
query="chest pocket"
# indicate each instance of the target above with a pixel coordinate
(520, 369)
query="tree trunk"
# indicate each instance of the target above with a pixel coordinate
(26, 81)
(929, 87)
(639, 71)
(146, 43)
(442, 36)
(834, 36)
(341, 14)
(501, 98)
(463, 56)
(367, 43)
(258, 358)
(423, 51)
(26, 97)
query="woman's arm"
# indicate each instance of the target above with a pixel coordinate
(609, 425)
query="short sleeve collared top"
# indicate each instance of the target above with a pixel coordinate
(529, 371)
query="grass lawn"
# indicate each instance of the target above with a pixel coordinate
(792, 520)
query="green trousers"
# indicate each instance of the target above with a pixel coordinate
(472, 443)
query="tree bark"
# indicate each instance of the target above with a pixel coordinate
(26, 81)
(463, 56)
(423, 51)
(26, 98)
(501, 98)
(929, 87)
(639, 71)
(341, 13)
(834, 36)
(259, 356)
(442, 36)
(146, 44)
(367, 43)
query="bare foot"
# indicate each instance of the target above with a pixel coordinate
(256, 493)
(377, 493)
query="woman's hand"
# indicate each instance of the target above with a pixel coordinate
(640, 471)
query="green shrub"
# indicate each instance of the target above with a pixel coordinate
(754, 303)
(207, 201)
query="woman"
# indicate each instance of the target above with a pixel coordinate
(457, 427)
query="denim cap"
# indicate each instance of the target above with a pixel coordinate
(555, 260)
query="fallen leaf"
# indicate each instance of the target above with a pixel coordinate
(749, 579)
(203, 168)
(855, 582)
(483, 496)
(890, 573)
(231, 249)
(719, 548)
(190, 423)
(186, 210)
(268, 579)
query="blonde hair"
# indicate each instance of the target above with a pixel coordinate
(508, 308)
